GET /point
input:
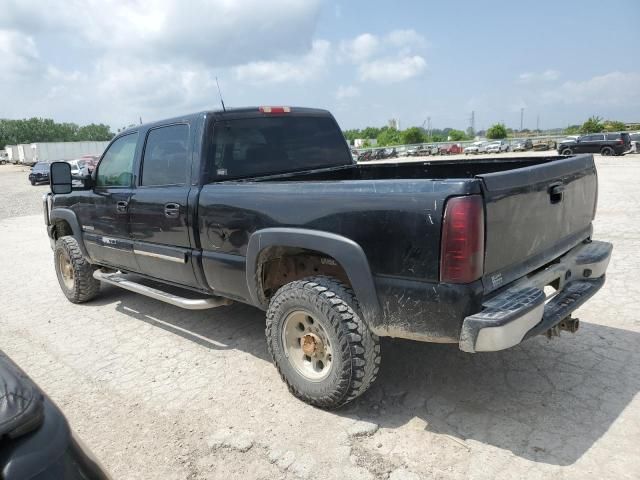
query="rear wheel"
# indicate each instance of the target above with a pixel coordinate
(566, 151)
(606, 151)
(323, 350)
(75, 273)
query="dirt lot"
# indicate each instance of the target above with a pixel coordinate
(159, 392)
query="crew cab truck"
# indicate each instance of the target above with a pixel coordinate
(266, 206)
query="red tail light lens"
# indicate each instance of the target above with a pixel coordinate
(462, 248)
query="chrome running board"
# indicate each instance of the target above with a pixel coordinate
(120, 280)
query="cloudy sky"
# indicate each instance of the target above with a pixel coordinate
(115, 61)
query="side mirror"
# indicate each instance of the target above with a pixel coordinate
(60, 177)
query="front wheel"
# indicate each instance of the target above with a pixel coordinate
(75, 273)
(324, 351)
(566, 151)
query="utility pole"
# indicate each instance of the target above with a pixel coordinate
(473, 121)
(521, 118)
(538, 123)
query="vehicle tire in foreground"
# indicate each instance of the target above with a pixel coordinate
(75, 274)
(606, 151)
(566, 151)
(324, 351)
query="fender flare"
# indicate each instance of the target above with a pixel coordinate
(345, 251)
(70, 217)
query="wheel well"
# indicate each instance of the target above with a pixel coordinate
(278, 266)
(61, 228)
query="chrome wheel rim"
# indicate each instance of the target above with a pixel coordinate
(66, 270)
(307, 346)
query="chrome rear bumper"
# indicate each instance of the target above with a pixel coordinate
(523, 310)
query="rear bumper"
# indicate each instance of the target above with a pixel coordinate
(522, 310)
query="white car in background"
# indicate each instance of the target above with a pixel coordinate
(498, 146)
(475, 147)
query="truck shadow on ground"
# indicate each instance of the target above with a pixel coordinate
(546, 401)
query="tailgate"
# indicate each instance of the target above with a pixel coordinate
(534, 214)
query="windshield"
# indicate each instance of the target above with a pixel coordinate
(269, 145)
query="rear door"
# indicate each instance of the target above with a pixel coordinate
(534, 214)
(159, 207)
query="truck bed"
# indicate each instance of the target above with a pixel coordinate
(437, 169)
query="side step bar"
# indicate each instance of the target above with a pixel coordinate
(120, 280)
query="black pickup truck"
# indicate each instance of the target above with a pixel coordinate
(266, 206)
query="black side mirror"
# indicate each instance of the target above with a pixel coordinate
(60, 177)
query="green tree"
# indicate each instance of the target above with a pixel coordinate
(389, 136)
(592, 125)
(413, 135)
(457, 135)
(497, 131)
(572, 130)
(614, 126)
(33, 130)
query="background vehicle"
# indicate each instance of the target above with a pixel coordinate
(498, 147)
(635, 142)
(63, 151)
(474, 148)
(452, 149)
(35, 438)
(522, 145)
(39, 173)
(602, 143)
(265, 206)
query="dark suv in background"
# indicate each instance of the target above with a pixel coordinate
(39, 173)
(602, 143)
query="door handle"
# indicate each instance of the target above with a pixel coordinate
(555, 192)
(121, 206)
(172, 210)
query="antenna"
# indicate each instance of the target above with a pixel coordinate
(220, 93)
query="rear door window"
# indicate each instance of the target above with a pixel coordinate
(165, 158)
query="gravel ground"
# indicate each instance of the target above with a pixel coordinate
(18, 196)
(159, 392)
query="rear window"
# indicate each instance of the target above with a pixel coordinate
(268, 145)
(613, 136)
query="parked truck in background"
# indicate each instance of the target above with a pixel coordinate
(266, 206)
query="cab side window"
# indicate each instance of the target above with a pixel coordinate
(116, 166)
(165, 159)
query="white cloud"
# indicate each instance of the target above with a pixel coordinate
(392, 70)
(296, 70)
(19, 54)
(348, 91)
(212, 32)
(546, 76)
(406, 38)
(360, 48)
(609, 90)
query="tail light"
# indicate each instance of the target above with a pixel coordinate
(462, 248)
(620, 141)
(275, 109)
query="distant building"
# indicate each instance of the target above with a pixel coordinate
(394, 123)
(360, 142)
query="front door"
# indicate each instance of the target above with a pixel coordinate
(104, 212)
(159, 207)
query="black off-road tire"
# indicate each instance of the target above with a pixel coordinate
(85, 287)
(356, 349)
